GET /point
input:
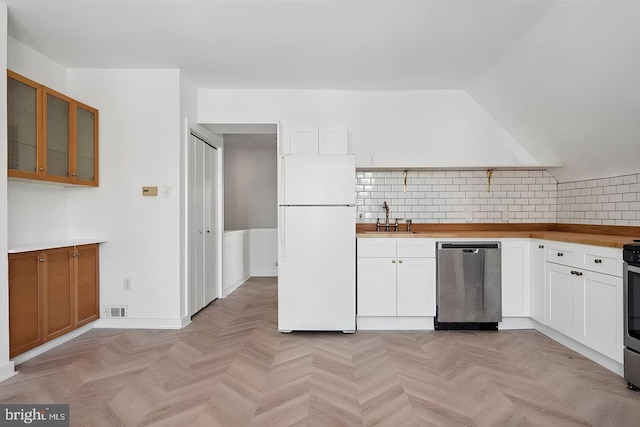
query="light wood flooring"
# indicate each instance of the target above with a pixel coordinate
(231, 367)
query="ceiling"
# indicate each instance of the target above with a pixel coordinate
(561, 76)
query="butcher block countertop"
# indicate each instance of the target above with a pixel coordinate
(598, 235)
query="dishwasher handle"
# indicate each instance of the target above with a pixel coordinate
(470, 251)
(467, 245)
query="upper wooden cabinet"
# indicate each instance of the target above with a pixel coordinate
(51, 137)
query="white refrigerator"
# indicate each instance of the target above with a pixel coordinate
(317, 265)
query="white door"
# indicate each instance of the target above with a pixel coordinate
(416, 287)
(210, 235)
(376, 286)
(201, 216)
(319, 180)
(316, 281)
(538, 289)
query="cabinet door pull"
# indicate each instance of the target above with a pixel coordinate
(578, 273)
(540, 246)
(41, 259)
(598, 261)
(76, 255)
(393, 261)
(573, 272)
(560, 254)
(400, 261)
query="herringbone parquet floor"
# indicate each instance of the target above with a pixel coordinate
(231, 367)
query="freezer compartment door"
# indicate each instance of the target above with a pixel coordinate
(317, 279)
(319, 180)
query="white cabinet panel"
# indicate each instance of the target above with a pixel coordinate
(303, 140)
(560, 253)
(393, 285)
(416, 247)
(314, 140)
(603, 314)
(538, 288)
(376, 287)
(377, 248)
(515, 277)
(561, 309)
(416, 287)
(333, 140)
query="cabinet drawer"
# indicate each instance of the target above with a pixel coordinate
(560, 254)
(376, 248)
(601, 262)
(416, 248)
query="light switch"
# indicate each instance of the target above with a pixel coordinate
(149, 191)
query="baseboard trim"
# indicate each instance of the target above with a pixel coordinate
(8, 370)
(511, 323)
(264, 273)
(107, 323)
(235, 285)
(600, 359)
(52, 344)
(381, 323)
(185, 321)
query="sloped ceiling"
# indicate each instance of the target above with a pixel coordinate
(562, 77)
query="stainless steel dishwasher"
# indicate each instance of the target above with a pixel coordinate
(469, 286)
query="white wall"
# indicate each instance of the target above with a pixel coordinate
(250, 185)
(248, 253)
(37, 212)
(24, 60)
(6, 367)
(444, 128)
(263, 252)
(236, 266)
(139, 146)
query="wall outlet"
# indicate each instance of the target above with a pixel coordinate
(505, 216)
(360, 216)
(126, 283)
(469, 216)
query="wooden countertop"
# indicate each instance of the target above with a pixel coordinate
(609, 236)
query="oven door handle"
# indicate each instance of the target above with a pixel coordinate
(633, 268)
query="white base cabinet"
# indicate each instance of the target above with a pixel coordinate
(396, 278)
(583, 302)
(516, 278)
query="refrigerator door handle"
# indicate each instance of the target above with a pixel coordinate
(281, 232)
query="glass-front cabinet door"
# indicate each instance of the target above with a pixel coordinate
(85, 155)
(24, 113)
(51, 137)
(57, 127)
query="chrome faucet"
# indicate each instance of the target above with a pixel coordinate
(386, 224)
(385, 206)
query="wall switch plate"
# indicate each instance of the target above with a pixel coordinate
(149, 191)
(166, 191)
(505, 216)
(360, 216)
(469, 216)
(126, 283)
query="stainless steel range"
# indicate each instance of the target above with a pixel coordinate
(631, 256)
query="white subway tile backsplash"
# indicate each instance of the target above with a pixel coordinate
(528, 196)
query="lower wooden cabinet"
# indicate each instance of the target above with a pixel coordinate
(26, 308)
(51, 293)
